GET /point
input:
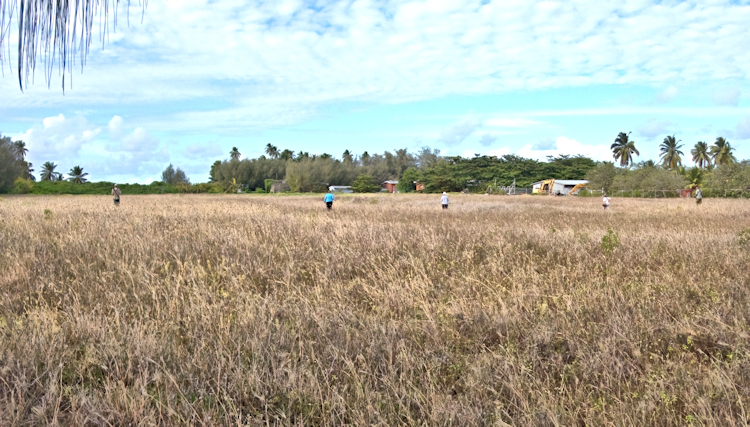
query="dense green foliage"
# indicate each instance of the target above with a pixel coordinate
(457, 173)
(365, 184)
(174, 176)
(11, 167)
(647, 176)
(67, 187)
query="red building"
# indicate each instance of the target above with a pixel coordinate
(389, 186)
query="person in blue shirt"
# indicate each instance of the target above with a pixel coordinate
(328, 199)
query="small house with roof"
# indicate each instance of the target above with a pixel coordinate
(389, 186)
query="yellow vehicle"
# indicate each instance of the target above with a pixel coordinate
(546, 187)
(559, 187)
(573, 191)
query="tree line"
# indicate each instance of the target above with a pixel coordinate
(716, 166)
(306, 172)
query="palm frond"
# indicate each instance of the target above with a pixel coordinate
(55, 30)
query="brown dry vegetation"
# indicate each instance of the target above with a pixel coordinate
(244, 310)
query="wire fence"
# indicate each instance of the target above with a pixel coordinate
(737, 193)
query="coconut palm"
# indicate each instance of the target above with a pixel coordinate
(286, 154)
(347, 156)
(694, 176)
(77, 176)
(721, 152)
(700, 154)
(19, 149)
(48, 172)
(623, 149)
(272, 151)
(235, 154)
(671, 156)
(29, 171)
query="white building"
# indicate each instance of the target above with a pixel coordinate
(558, 186)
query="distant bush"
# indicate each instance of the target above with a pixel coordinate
(22, 186)
(101, 188)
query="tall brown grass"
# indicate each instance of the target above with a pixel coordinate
(244, 310)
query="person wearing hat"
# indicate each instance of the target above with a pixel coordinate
(605, 201)
(116, 195)
(444, 200)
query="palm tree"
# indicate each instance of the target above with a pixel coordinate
(347, 156)
(286, 154)
(623, 149)
(235, 154)
(700, 154)
(19, 149)
(671, 156)
(48, 172)
(694, 176)
(272, 151)
(721, 152)
(29, 170)
(77, 176)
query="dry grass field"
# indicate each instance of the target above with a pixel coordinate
(261, 310)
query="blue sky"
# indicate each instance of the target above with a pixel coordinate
(198, 77)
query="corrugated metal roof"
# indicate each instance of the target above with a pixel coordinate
(389, 182)
(571, 181)
(565, 181)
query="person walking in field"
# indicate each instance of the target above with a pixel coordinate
(328, 199)
(116, 195)
(444, 200)
(698, 196)
(605, 201)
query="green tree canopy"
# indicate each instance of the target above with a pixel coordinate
(365, 184)
(11, 167)
(173, 176)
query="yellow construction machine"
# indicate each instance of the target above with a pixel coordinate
(576, 189)
(546, 187)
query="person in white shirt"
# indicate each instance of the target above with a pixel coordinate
(444, 200)
(605, 201)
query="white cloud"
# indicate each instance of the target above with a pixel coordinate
(274, 63)
(564, 145)
(729, 97)
(487, 139)
(667, 95)
(115, 128)
(653, 128)
(743, 128)
(203, 151)
(75, 141)
(545, 145)
(58, 138)
(511, 123)
(459, 131)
